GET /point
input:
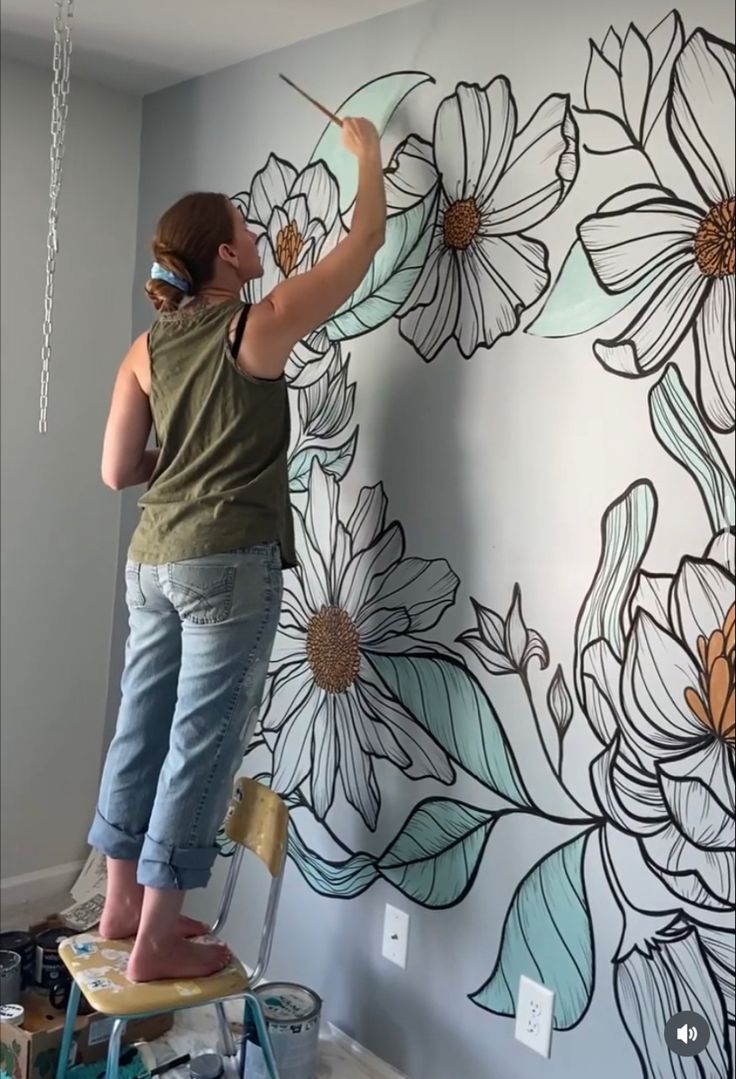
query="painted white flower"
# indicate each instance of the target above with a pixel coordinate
(327, 712)
(683, 251)
(668, 711)
(296, 216)
(496, 182)
(628, 79)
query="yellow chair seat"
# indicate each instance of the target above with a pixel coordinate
(98, 967)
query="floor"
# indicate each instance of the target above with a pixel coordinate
(195, 1031)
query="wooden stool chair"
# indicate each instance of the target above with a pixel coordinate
(257, 821)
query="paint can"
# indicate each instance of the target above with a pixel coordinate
(24, 944)
(292, 1014)
(49, 967)
(10, 978)
(207, 1066)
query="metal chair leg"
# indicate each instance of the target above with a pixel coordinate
(66, 1042)
(263, 1036)
(113, 1049)
(244, 1038)
(226, 1035)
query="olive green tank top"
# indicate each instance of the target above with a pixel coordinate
(221, 483)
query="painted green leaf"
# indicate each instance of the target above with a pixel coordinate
(577, 302)
(626, 528)
(445, 697)
(392, 276)
(435, 857)
(344, 880)
(678, 426)
(377, 100)
(548, 937)
(334, 459)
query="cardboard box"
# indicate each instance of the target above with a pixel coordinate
(32, 1051)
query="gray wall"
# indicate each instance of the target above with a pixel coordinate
(60, 526)
(520, 451)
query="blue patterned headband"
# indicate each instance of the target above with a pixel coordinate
(160, 273)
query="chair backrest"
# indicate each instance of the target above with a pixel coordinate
(258, 821)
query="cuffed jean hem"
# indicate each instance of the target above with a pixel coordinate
(160, 865)
(170, 868)
(113, 841)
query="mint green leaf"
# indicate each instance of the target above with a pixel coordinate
(435, 857)
(548, 937)
(334, 459)
(678, 426)
(626, 528)
(447, 700)
(577, 302)
(343, 880)
(393, 273)
(377, 100)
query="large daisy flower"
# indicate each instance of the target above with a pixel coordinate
(296, 216)
(328, 713)
(495, 183)
(684, 251)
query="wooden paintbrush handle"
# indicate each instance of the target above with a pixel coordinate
(335, 119)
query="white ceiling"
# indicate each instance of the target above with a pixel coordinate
(145, 45)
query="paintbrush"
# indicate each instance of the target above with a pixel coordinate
(331, 115)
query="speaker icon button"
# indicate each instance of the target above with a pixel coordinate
(687, 1034)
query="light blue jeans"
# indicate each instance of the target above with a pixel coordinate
(201, 634)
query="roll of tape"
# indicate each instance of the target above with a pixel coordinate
(13, 1014)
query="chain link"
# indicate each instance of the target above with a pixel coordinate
(59, 112)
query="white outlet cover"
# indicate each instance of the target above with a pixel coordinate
(396, 936)
(534, 1016)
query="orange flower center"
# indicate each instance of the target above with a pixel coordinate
(715, 241)
(461, 224)
(714, 702)
(333, 649)
(289, 244)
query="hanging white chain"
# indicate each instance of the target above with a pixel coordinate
(59, 113)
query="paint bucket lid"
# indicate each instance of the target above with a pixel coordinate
(12, 1014)
(206, 1066)
(50, 939)
(283, 1002)
(15, 941)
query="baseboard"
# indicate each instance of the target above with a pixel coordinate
(377, 1066)
(35, 887)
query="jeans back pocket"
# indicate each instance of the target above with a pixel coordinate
(134, 596)
(201, 591)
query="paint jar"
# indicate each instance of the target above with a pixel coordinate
(207, 1066)
(49, 967)
(292, 1014)
(24, 944)
(10, 978)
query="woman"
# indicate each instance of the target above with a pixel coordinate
(204, 572)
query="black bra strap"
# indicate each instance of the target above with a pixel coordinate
(239, 331)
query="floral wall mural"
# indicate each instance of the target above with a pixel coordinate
(393, 662)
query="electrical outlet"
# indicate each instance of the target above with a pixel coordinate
(534, 1016)
(396, 936)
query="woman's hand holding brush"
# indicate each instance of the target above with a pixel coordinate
(361, 138)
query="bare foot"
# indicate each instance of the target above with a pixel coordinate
(176, 958)
(122, 924)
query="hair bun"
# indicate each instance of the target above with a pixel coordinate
(165, 295)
